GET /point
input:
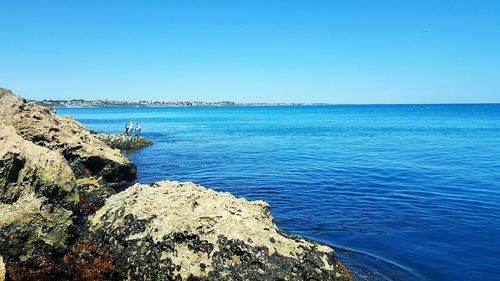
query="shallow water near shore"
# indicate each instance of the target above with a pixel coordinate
(411, 191)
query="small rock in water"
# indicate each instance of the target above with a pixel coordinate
(123, 142)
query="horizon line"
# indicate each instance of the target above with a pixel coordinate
(240, 104)
(233, 103)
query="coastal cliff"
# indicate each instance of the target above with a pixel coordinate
(63, 217)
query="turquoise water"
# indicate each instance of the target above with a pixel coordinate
(407, 192)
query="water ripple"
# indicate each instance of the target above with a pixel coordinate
(416, 185)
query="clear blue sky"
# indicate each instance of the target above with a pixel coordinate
(370, 51)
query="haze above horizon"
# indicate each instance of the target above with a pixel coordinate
(338, 52)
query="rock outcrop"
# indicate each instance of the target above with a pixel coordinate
(123, 142)
(29, 168)
(87, 155)
(63, 216)
(182, 231)
(45, 192)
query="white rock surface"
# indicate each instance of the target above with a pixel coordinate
(185, 225)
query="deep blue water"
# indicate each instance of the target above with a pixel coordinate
(408, 190)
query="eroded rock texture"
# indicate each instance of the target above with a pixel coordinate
(31, 228)
(87, 155)
(182, 231)
(27, 168)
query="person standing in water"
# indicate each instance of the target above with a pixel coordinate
(138, 130)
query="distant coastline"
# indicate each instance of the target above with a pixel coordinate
(80, 103)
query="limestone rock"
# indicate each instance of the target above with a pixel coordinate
(32, 228)
(87, 155)
(28, 168)
(183, 231)
(123, 142)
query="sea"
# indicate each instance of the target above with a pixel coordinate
(403, 192)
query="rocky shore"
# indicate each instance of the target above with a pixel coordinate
(63, 217)
(123, 142)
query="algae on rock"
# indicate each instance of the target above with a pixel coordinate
(123, 142)
(173, 230)
(31, 228)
